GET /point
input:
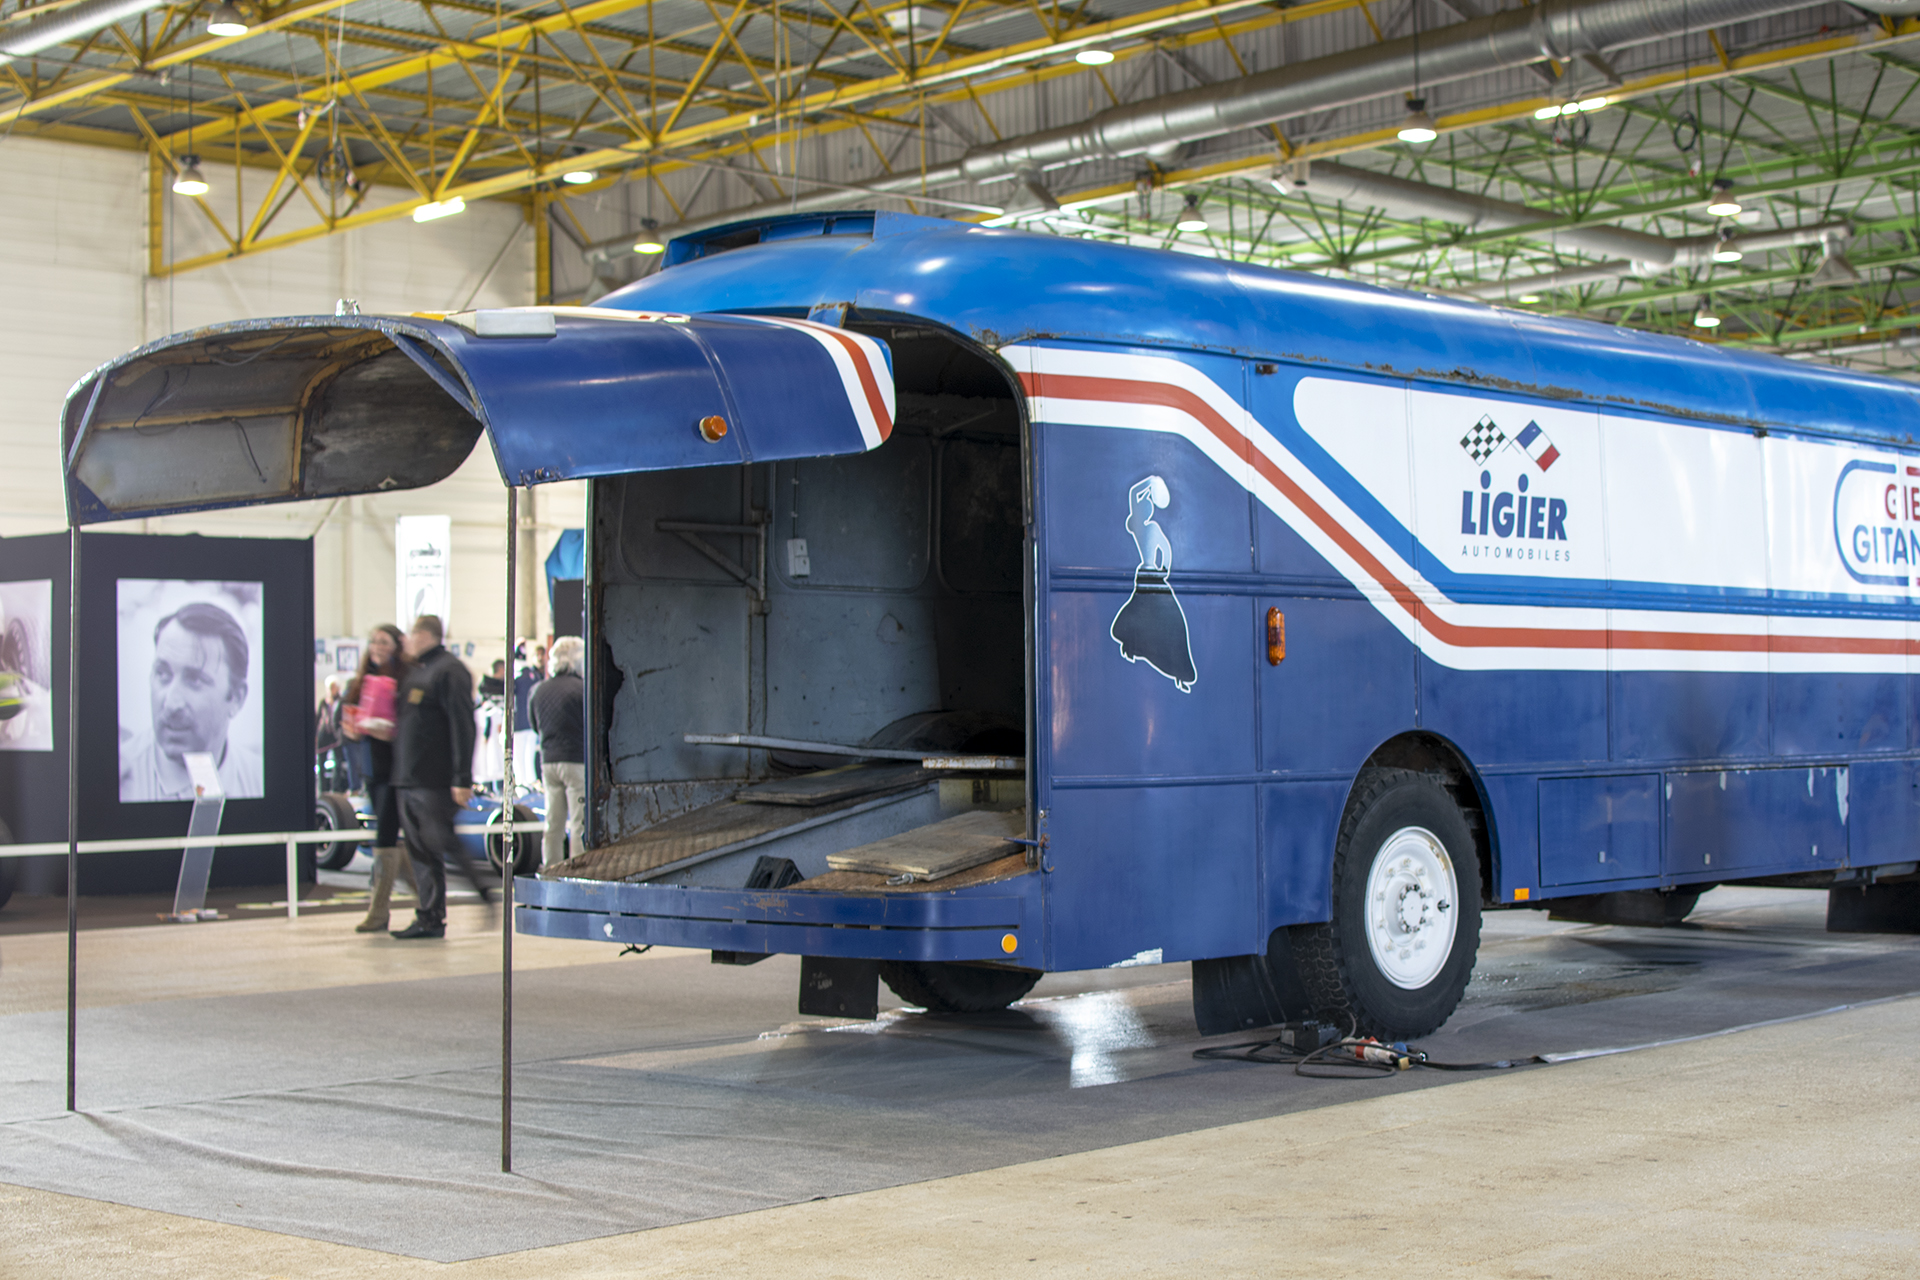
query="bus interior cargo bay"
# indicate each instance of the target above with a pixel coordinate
(812, 673)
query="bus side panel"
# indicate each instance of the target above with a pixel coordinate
(1300, 821)
(1513, 820)
(1118, 719)
(1828, 503)
(1152, 873)
(1151, 640)
(1689, 715)
(1345, 686)
(1824, 714)
(1346, 683)
(1730, 823)
(1542, 719)
(1883, 812)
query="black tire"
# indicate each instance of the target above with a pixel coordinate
(334, 812)
(9, 868)
(1637, 908)
(526, 859)
(1341, 965)
(956, 988)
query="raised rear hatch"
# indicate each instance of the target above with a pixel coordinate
(323, 406)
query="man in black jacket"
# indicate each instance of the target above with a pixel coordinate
(433, 771)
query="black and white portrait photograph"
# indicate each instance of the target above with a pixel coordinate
(26, 665)
(189, 665)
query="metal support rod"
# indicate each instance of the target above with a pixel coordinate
(293, 879)
(73, 804)
(509, 849)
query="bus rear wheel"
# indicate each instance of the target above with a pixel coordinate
(1396, 957)
(956, 988)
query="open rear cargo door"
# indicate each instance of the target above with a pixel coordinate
(323, 406)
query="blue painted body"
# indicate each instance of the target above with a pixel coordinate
(1190, 822)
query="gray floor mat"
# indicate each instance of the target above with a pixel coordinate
(669, 1090)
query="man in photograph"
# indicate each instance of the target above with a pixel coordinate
(198, 685)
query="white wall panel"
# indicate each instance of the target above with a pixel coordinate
(73, 250)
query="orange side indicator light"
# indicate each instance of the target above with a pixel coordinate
(712, 427)
(1521, 895)
(1009, 944)
(1276, 637)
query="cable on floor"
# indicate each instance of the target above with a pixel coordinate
(1321, 1051)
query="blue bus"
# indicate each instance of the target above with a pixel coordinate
(965, 604)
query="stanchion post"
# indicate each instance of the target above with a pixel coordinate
(293, 877)
(73, 804)
(509, 846)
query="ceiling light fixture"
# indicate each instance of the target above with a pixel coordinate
(1529, 297)
(1726, 250)
(1834, 269)
(1093, 57)
(649, 240)
(1191, 219)
(1705, 318)
(578, 177)
(225, 20)
(1722, 204)
(1571, 108)
(1418, 126)
(190, 181)
(439, 209)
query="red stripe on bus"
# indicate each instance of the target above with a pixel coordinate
(1127, 391)
(875, 401)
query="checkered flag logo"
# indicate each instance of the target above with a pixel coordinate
(1482, 439)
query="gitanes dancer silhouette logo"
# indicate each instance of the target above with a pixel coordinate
(1151, 626)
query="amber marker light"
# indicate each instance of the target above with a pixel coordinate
(1276, 637)
(1009, 944)
(712, 427)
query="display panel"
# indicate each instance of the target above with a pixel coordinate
(188, 659)
(26, 665)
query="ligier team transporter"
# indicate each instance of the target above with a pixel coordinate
(966, 604)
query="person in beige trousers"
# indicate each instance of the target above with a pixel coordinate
(371, 699)
(558, 712)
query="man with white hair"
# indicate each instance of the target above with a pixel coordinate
(558, 711)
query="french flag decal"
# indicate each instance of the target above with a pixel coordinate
(1537, 446)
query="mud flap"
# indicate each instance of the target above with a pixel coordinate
(1239, 993)
(1874, 908)
(831, 987)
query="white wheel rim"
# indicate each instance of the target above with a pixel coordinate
(1413, 901)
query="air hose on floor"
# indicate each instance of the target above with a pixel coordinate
(1319, 1050)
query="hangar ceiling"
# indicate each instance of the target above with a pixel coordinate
(1579, 143)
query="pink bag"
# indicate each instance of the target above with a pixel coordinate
(374, 714)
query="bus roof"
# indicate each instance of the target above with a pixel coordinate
(999, 285)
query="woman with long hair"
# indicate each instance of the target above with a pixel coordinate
(371, 696)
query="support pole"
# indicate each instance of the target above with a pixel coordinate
(509, 847)
(293, 878)
(73, 803)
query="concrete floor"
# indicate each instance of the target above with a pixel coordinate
(1785, 1150)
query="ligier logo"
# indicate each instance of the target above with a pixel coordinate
(1876, 522)
(1508, 517)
